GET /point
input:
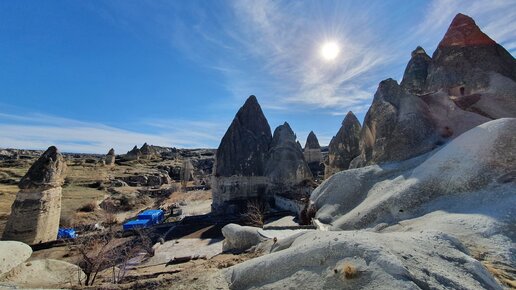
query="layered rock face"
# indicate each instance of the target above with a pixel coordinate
(239, 169)
(313, 154)
(110, 157)
(344, 146)
(286, 167)
(36, 211)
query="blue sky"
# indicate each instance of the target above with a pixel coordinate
(90, 75)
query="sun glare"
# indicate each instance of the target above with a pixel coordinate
(330, 50)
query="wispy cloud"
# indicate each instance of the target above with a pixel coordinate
(38, 131)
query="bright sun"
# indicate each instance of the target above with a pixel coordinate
(330, 50)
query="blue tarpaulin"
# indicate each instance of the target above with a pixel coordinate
(63, 233)
(155, 215)
(136, 224)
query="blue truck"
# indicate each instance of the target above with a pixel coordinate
(145, 219)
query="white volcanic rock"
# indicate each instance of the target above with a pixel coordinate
(45, 273)
(364, 260)
(12, 254)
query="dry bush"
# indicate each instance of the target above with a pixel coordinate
(88, 207)
(349, 271)
(255, 214)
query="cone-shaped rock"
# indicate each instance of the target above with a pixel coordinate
(478, 74)
(147, 152)
(313, 154)
(416, 71)
(344, 146)
(241, 157)
(397, 126)
(286, 167)
(110, 157)
(36, 211)
(134, 154)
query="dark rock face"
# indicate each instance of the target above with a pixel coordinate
(111, 152)
(244, 147)
(416, 72)
(312, 142)
(397, 126)
(344, 146)
(46, 172)
(239, 169)
(286, 167)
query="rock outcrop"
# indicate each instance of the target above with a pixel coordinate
(469, 80)
(147, 152)
(414, 78)
(286, 168)
(134, 154)
(110, 157)
(239, 169)
(344, 146)
(36, 211)
(12, 254)
(313, 155)
(397, 126)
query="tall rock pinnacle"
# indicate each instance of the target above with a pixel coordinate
(36, 211)
(416, 71)
(344, 146)
(241, 156)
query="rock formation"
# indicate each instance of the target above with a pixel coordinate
(147, 152)
(36, 211)
(238, 172)
(397, 126)
(469, 80)
(286, 167)
(313, 154)
(416, 72)
(134, 154)
(110, 157)
(344, 146)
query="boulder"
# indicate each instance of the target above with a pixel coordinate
(45, 273)
(12, 254)
(286, 166)
(240, 238)
(344, 146)
(241, 158)
(36, 210)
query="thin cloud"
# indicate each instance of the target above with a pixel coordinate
(38, 131)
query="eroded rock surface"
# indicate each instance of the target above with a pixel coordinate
(313, 154)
